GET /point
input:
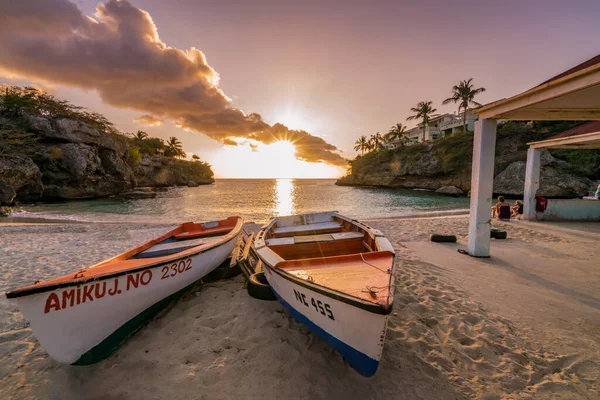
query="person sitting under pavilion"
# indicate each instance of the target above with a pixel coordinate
(501, 210)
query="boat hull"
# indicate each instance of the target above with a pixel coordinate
(82, 324)
(356, 333)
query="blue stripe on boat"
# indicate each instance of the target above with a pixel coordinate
(362, 363)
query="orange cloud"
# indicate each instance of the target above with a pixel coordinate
(149, 120)
(119, 54)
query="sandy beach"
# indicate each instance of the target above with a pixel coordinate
(522, 324)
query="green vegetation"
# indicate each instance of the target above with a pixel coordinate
(16, 102)
(454, 153)
(174, 148)
(464, 94)
(422, 111)
(135, 155)
(396, 132)
(362, 144)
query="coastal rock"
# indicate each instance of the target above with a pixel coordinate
(161, 171)
(64, 159)
(115, 166)
(450, 190)
(68, 130)
(554, 181)
(448, 162)
(136, 195)
(193, 184)
(90, 189)
(81, 160)
(5, 211)
(21, 173)
(7, 194)
(547, 159)
(39, 124)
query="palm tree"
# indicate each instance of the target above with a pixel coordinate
(140, 135)
(464, 94)
(175, 147)
(396, 132)
(376, 140)
(362, 144)
(423, 111)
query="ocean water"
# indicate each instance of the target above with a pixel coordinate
(253, 199)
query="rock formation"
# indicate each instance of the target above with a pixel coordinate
(447, 163)
(65, 159)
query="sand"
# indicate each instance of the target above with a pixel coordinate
(523, 324)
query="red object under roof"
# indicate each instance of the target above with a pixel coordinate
(589, 127)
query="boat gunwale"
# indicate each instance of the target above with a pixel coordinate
(37, 289)
(354, 301)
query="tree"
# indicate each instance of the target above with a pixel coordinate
(140, 135)
(464, 94)
(362, 144)
(16, 102)
(423, 111)
(195, 158)
(175, 148)
(376, 140)
(396, 132)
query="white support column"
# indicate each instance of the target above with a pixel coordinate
(532, 183)
(482, 184)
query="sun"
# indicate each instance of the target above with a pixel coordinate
(282, 148)
(274, 160)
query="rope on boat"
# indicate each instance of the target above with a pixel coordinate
(374, 266)
(374, 290)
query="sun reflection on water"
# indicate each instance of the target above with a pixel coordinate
(285, 197)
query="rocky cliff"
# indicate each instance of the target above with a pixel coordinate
(44, 159)
(447, 162)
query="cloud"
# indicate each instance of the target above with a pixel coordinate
(229, 142)
(118, 53)
(148, 119)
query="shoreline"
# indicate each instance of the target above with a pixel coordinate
(43, 220)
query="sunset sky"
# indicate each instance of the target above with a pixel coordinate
(333, 69)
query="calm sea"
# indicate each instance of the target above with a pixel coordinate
(254, 200)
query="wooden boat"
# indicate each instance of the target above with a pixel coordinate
(85, 316)
(335, 275)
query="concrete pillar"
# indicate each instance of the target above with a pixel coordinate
(482, 184)
(532, 183)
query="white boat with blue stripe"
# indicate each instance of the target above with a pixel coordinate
(335, 275)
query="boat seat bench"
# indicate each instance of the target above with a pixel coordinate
(329, 237)
(203, 233)
(169, 247)
(309, 229)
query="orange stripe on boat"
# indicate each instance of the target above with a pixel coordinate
(122, 262)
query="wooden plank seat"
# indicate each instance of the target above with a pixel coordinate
(202, 233)
(328, 237)
(308, 229)
(170, 246)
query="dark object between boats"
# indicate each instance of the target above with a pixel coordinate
(443, 238)
(259, 288)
